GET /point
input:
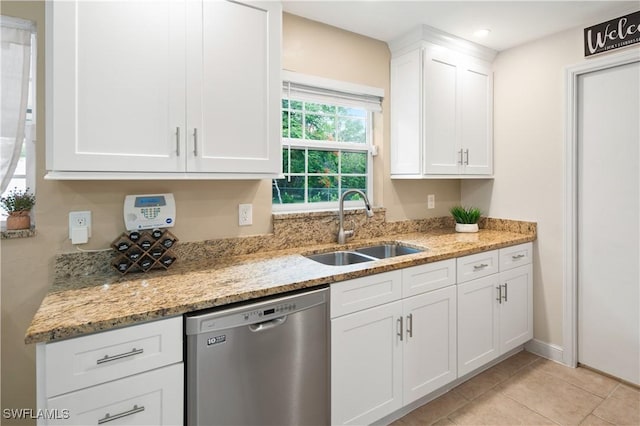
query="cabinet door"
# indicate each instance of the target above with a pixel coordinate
(441, 104)
(366, 365)
(234, 87)
(406, 104)
(115, 86)
(152, 398)
(516, 309)
(478, 316)
(476, 118)
(430, 347)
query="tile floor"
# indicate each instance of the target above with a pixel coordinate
(528, 390)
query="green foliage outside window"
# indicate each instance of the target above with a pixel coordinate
(320, 174)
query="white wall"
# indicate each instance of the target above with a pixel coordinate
(529, 101)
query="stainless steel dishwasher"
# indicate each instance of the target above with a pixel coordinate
(264, 363)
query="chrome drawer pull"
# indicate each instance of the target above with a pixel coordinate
(108, 358)
(520, 256)
(505, 291)
(460, 153)
(410, 325)
(499, 299)
(400, 320)
(466, 151)
(482, 265)
(108, 418)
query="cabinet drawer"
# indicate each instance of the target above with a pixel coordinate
(477, 266)
(366, 292)
(97, 358)
(432, 276)
(512, 257)
(151, 398)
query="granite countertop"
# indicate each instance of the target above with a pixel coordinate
(95, 302)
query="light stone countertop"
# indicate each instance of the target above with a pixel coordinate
(82, 305)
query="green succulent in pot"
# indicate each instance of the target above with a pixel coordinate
(466, 218)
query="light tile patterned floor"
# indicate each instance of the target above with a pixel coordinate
(528, 390)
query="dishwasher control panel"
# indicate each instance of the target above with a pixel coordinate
(254, 313)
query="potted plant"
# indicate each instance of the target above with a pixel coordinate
(18, 204)
(466, 218)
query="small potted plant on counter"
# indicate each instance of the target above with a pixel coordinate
(18, 204)
(466, 218)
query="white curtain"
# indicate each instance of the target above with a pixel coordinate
(14, 90)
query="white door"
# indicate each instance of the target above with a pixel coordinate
(441, 106)
(608, 225)
(478, 316)
(117, 85)
(516, 307)
(366, 365)
(476, 118)
(430, 342)
(233, 87)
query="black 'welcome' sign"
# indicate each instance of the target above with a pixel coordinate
(620, 32)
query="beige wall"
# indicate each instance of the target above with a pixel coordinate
(206, 209)
(529, 100)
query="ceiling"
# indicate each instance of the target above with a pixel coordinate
(511, 22)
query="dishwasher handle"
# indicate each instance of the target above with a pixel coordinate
(266, 325)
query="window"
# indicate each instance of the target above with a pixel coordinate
(327, 146)
(23, 176)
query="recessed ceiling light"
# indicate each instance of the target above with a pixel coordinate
(482, 33)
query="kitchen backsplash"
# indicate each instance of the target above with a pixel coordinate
(289, 231)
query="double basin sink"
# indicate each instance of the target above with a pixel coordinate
(364, 254)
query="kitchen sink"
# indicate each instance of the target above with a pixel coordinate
(384, 251)
(341, 258)
(363, 254)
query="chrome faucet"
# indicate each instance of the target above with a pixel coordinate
(342, 234)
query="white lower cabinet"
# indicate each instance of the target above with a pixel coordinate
(495, 313)
(389, 354)
(127, 376)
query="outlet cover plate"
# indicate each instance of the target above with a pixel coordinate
(245, 214)
(79, 219)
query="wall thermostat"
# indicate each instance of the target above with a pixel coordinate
(149, 211)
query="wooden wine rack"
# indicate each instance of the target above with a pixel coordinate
(142, 251)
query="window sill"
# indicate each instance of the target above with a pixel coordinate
(18, 233)
(320, 213)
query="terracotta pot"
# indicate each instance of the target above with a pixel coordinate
(466, 227)
(18, 220)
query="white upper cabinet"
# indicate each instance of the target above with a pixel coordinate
(163, 89)
(441, 107)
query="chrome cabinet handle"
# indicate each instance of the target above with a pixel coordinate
(178, 141)
(401, 327)
(505, 291)
(195, 142)
(109, 418)
(499, 299)
(410, 325)
(480, 266)
(466, 151)
(460, 162)
(516, 257)
(108, 358)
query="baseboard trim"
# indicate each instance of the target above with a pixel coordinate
(545, 350)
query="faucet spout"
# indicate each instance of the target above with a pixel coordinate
(342, 234)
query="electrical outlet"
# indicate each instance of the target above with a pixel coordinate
(431, 201)
(79, 220)
(245, 214)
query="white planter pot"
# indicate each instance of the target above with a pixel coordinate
(466, 227)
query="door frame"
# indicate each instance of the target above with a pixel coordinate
(570, 264)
